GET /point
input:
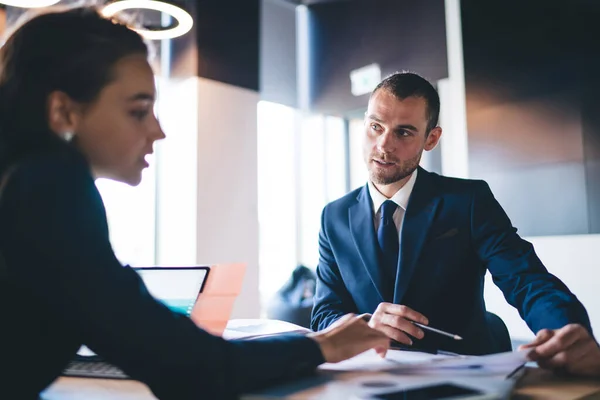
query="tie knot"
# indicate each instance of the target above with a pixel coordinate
(387, 209)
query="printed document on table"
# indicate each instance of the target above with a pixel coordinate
(410, 362)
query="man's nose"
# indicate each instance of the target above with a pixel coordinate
(385, 142)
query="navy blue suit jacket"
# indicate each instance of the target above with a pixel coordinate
(61, 286)
(453, 231)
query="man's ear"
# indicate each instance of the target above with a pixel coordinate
(433, 138)
(63, 113)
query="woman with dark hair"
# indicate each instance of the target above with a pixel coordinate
(76, 103)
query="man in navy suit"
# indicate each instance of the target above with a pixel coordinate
(415, 246)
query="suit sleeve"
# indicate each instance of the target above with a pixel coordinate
(543, 300)
(332, 299)
(59, 214)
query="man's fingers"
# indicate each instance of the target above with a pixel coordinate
(542, 336)
(405, 312)
(571, 356)
(561, 341)
(402, 324)
(395, 334)
(396, 320)
(570, 349)
(574, 359)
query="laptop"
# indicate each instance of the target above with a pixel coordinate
(176, 287)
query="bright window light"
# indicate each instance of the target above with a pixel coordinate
(184, 19)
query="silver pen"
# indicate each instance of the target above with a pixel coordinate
(428, 328)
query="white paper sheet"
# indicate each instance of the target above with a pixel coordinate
(368, 374)
(408, 362)
(494, 363)
(406, 369)
(371, 361)
(255, 328)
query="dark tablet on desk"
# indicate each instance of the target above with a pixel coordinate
(440, 391)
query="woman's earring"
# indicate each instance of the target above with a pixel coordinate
(68, 136)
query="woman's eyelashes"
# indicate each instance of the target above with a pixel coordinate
(139, 114)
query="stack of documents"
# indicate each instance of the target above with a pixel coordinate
(491, 376)
(409, 362)
(406, 375)
(248, 329)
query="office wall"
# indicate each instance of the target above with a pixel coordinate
(591, 130)
(531, 89)
(278, 52)
(227, 41)
(396, 34)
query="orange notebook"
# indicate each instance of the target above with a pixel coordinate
(214, 305)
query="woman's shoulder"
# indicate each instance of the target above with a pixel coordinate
(47, 171)
(50, 165)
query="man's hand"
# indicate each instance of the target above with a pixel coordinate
(395, 321)
(570, 349)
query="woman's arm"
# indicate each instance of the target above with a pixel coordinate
(58, 215)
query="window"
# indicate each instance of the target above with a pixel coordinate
(302, 165)
(276, 196)
(131, 216)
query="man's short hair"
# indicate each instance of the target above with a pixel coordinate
(408, 84)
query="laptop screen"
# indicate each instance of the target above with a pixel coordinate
(176, 287)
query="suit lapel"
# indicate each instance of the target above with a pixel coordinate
(363, 235)
(419, 216)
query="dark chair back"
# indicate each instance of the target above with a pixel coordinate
(500, 334)
(294, 301)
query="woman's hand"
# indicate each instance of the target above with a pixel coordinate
(348, 337)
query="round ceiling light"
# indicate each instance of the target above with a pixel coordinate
(183, 18)
(29, 3)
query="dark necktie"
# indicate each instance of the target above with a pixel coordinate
(387, 236)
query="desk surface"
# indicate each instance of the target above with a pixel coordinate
(535, 384)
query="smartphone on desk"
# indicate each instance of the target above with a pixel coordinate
(438, 391)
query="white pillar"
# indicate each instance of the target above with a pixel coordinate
(453, 112)
(207, 210)
(227, 199)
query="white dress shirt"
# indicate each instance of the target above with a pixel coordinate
(401, 198)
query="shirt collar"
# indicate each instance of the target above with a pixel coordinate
(400, 197)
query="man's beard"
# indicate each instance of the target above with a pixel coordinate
(401, 171)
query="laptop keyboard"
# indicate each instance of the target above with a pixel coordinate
(94, 369)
